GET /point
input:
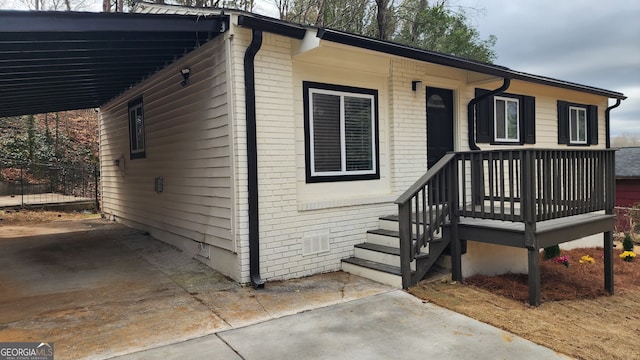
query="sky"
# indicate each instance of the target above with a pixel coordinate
(590, 42)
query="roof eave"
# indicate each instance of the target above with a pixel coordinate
(271, 25)
(456, 62)
(60, 21)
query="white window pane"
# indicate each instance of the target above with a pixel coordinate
(573, 124)
(578, 125)
(139, 129)
(358, 133)
(512, 120)
(500, 119)
(136, 128)
(582, 125)
(326, 133)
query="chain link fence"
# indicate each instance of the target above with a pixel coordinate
(28, 184)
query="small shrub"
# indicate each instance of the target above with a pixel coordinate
(552, 252)
(627, 243)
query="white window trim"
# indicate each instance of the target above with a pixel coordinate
(495, 117)
(343, 150)
(572, 130)
(133, 130)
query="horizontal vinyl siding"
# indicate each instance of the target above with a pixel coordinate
(187, 143)
(546, 113)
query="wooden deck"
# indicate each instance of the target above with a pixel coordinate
(525, 198)
(547, 233)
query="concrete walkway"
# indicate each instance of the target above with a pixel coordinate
(391, 325)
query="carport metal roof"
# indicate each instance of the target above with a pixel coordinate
(55, 61)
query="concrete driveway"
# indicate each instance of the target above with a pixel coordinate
(99, 290)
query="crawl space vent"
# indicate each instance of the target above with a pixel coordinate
(315, 244)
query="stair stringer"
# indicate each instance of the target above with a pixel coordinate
(425, 263)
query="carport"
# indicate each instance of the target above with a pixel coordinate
(94, 287)
(85, 286)
(56, 61)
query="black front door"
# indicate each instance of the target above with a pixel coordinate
(439, 124)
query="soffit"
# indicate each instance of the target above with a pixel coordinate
(56, 61)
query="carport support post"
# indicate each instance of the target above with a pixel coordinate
(96, 178)
(21, 186)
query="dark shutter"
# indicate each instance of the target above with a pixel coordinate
(592, 123)
(528, 119)
(563, 122)
(484, 118)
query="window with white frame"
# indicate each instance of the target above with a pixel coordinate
(577, 125)
(341, 133)
(136, 129)
(506, 119)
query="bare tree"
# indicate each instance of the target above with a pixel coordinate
(626, 140)
(56, 5)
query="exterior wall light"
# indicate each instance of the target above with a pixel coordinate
(185, 76)
(416, 85)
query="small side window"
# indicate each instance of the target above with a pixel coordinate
(506, 119)
(577, 124)
(136, 129)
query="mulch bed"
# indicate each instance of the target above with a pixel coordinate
(558, 282)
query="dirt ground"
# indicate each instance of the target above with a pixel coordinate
(30, 217)
(577, 317)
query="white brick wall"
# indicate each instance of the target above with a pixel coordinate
(292, 210)
(283, 193)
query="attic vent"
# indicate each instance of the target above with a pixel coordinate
(315, 244)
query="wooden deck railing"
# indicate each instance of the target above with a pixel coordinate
(528, 185)
(424, 209)
(512, 185)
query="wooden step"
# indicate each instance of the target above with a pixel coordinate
(382, 273)
(391, 250)
(388, 255)
(384, 237)
(388, 223)
(396, 218)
